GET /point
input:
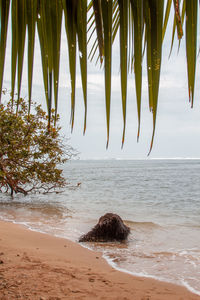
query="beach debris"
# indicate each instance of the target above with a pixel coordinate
(110, 227)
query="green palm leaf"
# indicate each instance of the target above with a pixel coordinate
(106, 6)
(82, 42)
(4, 11)
(70, 26)
(45, 30)
(154, 25)
(123, 11)
(21, 41)
(191, 44)
(167, 12)
(99, 26)
(137, 11)
(31, 17)
(14, 46)
(44, 57)
(56, 15)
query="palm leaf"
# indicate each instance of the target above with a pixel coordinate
(14, 46)
(147, 18)
(154, 24)
(49, 29)
(182, 19)
(31, 12)
(123, 11)
(44, 57)
(178, 18)
(106, 6)
(56, 15)
(115, 20)
(82, 42)
(191, 44)
(167, 12)
(137, 10)
(21, 27)
(4, 12)
(99, 26)
(45, 32)
(70, 26)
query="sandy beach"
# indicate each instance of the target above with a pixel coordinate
(38, 266)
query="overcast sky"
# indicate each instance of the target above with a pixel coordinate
(178, 126)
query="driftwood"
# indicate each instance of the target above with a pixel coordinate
(109, 228)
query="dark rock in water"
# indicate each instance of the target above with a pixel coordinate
(109, 228)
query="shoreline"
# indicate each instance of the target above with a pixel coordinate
(184, 285)
(109, 260)
(35, 265)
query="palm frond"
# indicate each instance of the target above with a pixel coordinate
(141, 25)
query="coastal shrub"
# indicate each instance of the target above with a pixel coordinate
(31, 153)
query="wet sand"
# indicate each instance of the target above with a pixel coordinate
(39, 266)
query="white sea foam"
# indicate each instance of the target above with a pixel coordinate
(144, 274)
(189, 287)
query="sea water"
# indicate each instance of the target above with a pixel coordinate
(158, 199)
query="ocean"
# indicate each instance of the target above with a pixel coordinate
(158, 199)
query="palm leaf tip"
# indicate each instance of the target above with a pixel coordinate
(178, 19)
(138, 133)
(107, 9)
(191, 45)
(123, 11)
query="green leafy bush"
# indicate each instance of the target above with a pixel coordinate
(31, 152)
